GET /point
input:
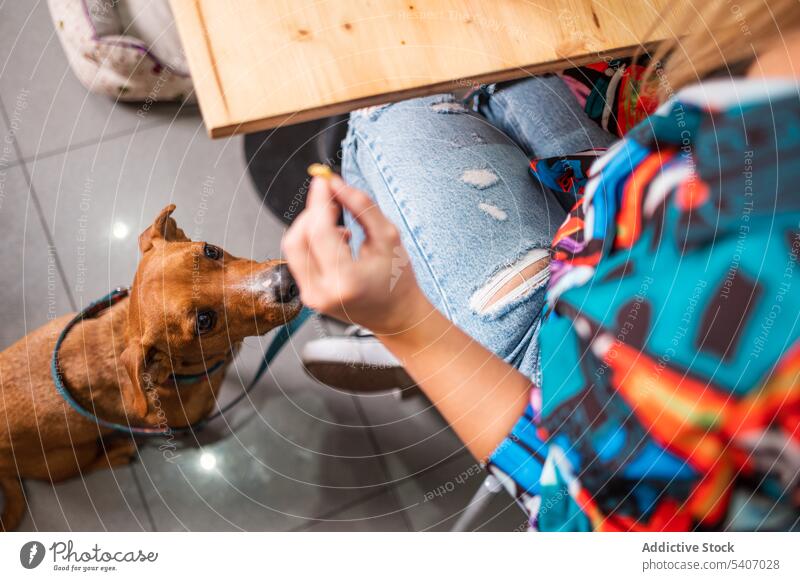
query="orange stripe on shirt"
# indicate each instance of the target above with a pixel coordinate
(629, 218)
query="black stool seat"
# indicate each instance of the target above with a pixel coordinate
(277, 161)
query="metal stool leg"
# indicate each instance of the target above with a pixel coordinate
(483, 496)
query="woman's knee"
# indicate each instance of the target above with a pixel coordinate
(381, 134)
(409, 109)
(422, 124)
(544, 117)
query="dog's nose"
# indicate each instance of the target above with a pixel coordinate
(283, 283)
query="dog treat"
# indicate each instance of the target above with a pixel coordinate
(320, 170)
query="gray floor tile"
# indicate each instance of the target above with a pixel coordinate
(98, 199)
(378, 513)
(8, 153)
(298, 452)
(411, 435)
(105, 500)
(37, 85)
(32, 290)
(434, 500)
(32, 293)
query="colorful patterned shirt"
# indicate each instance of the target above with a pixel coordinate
(670, 348)
(610, 93)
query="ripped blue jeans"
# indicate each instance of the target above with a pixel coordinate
(471, 216)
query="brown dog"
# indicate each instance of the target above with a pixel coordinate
(190, 306)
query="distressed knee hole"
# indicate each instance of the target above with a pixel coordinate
(461, 140)
(372, 113)
(527, 274)
(493, 211)
(448, 107)
(480, 178)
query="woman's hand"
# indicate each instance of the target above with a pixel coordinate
(377, 289)
(478, 393)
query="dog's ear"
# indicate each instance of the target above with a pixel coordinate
(141, 363)
(163, 228)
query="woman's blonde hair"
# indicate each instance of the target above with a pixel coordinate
(715, 37)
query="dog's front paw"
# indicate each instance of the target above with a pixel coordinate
(115, 453)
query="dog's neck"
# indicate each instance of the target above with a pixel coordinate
(91, 363)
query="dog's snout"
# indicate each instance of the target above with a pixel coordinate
(284, 285)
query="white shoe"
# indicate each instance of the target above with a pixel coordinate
(356, 361)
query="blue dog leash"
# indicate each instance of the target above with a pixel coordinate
(283, 335)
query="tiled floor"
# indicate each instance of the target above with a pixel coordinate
(80, 176)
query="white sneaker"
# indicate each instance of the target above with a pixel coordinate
(356, 361)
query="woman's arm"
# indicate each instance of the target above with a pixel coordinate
(479, 394)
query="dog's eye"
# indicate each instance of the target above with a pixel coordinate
(205, 321)
(212, 252)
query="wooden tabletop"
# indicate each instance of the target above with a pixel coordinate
(257, 64)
